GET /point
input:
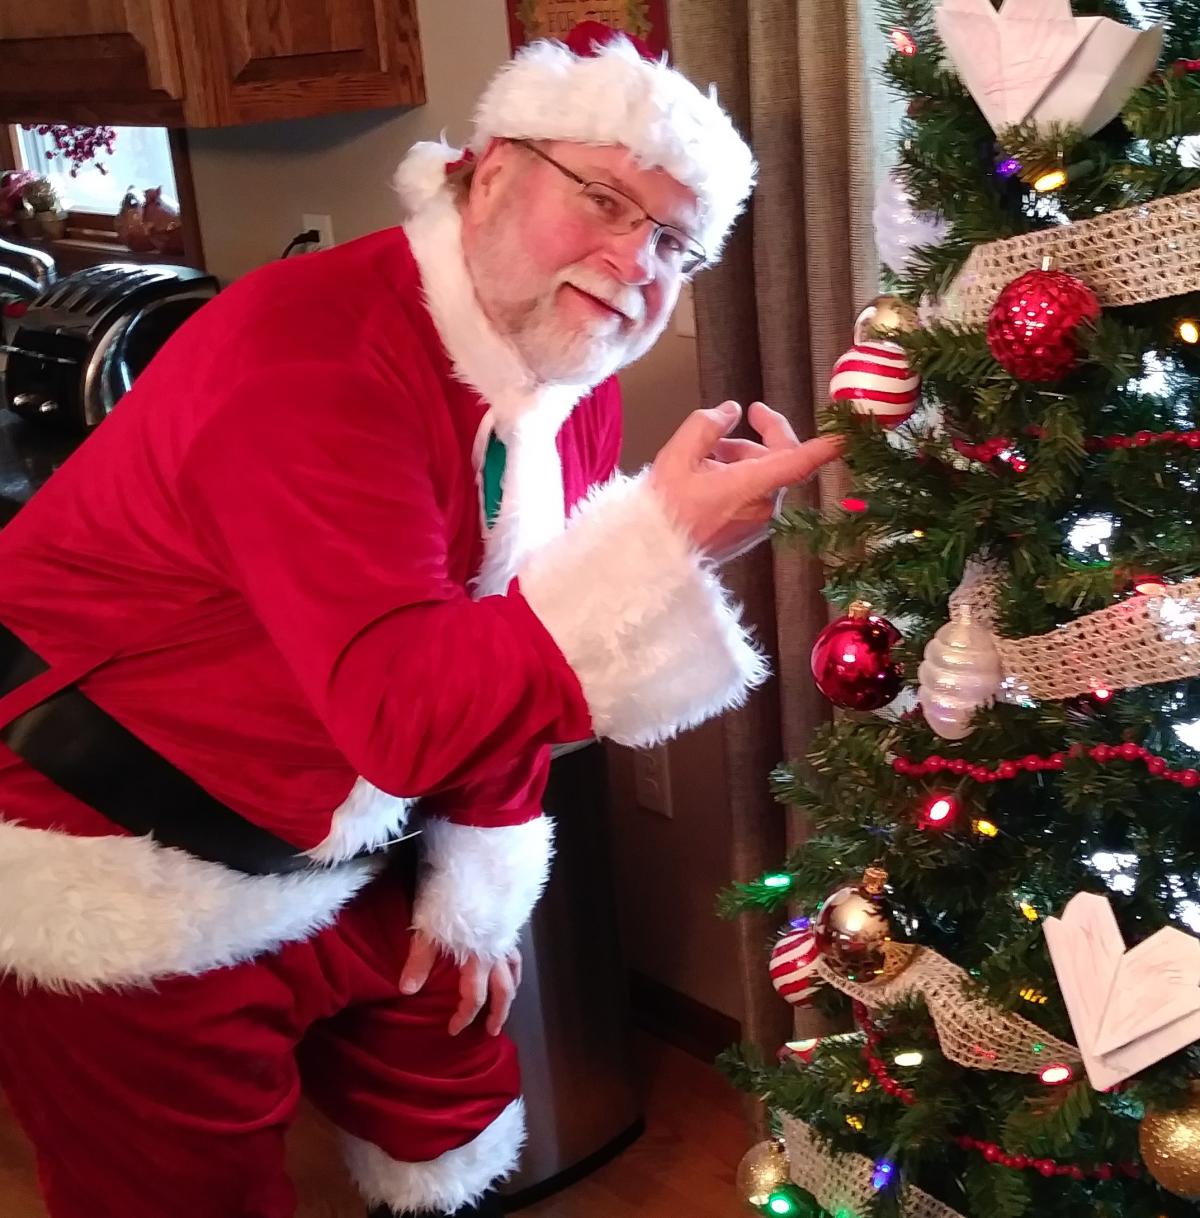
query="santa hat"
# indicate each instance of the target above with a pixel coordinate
(603, 87)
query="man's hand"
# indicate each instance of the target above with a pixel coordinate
(481, 982)
(724, 493)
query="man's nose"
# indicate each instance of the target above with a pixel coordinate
(631, 256)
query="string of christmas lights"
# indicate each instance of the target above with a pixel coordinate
(1052, 1076)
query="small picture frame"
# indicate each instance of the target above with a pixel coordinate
(532, 19)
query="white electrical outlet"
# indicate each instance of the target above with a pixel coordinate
(323, 225)
(652, 779)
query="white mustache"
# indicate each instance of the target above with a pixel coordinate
(626, 300)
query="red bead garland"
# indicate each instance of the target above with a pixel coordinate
(875, 1063)
(990, 450)
(1005, 770)
(992, 1152)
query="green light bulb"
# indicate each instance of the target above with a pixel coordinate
(778, 880)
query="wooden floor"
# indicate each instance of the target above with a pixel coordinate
(683, 1165)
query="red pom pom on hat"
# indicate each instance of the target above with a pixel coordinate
(588, 35)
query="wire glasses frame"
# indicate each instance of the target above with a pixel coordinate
(619, 213)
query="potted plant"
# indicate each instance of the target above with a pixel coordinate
(12, 188)
(49, 216)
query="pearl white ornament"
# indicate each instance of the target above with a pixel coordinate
(960, 673)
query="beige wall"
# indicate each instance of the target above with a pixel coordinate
(252, 185)
(671, 869)
(254, 182)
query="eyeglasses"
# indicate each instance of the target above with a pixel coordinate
(616, 211)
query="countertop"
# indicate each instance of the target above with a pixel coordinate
(28, 456)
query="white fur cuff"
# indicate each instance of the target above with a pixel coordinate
(479, 885)
(448, 1183)
(640, 617)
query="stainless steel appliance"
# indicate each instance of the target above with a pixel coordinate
(78, 345)
(24, 271)
(571, 1019)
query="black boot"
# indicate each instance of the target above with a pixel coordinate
(488, 1206)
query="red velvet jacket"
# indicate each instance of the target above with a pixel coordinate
(270, 563)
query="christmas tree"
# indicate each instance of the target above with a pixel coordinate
(996, 908)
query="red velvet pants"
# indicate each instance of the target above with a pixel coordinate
(172, 1101)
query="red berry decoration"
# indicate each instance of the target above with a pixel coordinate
(852, 660)
(1033, 328)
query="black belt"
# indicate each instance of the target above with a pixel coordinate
(86, 752)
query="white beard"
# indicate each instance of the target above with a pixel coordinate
(523, 307)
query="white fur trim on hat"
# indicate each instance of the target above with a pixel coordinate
(614, 97)
(422, 173)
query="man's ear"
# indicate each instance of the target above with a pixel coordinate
(493, 165)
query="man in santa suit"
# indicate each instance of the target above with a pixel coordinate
(346, 563)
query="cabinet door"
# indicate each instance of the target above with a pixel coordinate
(111, 61)
(251, 60)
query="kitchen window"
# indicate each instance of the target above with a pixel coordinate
(142, 158)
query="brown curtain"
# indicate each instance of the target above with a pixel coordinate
(771, 320)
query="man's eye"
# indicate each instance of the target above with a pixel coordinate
(603, 204)
(672, 243)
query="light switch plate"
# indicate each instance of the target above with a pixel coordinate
(652, 780)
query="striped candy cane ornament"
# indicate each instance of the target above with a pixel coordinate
(793, 965)
(875, 377)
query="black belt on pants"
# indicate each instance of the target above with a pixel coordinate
(86, 752)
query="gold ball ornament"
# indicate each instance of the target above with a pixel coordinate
(763, 1169)
(885, 316)
(854, 928)
(1170, 1145)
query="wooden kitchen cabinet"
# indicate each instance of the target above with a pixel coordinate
(204, 63)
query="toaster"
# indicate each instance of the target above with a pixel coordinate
(75, 349)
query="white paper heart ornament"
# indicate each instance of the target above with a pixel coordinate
(1129, 1009)
(1034, 60)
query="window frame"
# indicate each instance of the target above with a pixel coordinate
(92, 236)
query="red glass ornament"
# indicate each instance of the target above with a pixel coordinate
(852, 660)
(1032, 330)
(853, 928)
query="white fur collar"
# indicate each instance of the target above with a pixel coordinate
(481, 358)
